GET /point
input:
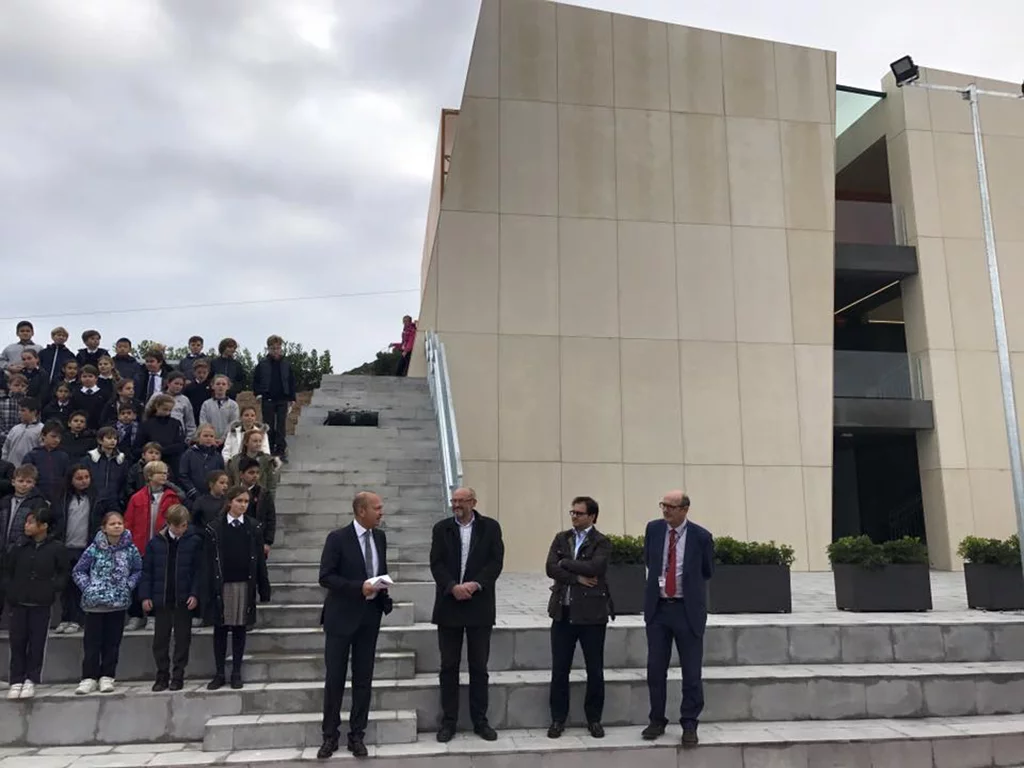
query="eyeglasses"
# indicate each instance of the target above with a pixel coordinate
(665, 506)
(577, 513)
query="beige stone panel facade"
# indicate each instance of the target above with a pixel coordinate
(775, 509)
(1011, 276)
(771, 424)
(645, 485)
(830, 70)
(1005, 164)
(756, 189)
(695, 50)
(814, 391)
(641, 63)
(643, 151)
(818, 506)
(926, 307)
(808, 174)
(528, 275)
(529, 157)
(982, 407)
(482, 477)
(588, 277)
(586, 161)
(603, 483)
(906, 108)
(591, 400)
(927, 212)
(704, 269)
(748, 67)
(945, 445)
(473, 367)
(946, 494)
(956, 172)
(473, 176)
(652, 429)
(467, 272)
(529, 500)
(700, 169)
(718, 497)
(970, 296)
(761, 269)
(529, 51)
(711, 403)
(1001, 117)
(528, 398)
(585, 73)
(811, 277)
(992, 502)
(647, 281)
(803, 85)
(482, 75)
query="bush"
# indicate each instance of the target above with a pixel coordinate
(729, 551)
(384, 365)
(974, 549)
(861, 550)
(626, 550)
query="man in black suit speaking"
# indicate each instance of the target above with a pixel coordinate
(466, 557)
(351, 616)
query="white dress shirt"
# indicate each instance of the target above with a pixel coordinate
(680, 549)
(465, 536)
(361, 534)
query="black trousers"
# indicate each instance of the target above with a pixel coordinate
(275, 414)
(103, 633)
(220, 649)
(669, 624)
(478, 651)
(176, 620)
(29, 625)
(71, 599)
(402, 369)
(361, 645)
(564, 637)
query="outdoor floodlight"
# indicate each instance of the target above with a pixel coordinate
(905, 71)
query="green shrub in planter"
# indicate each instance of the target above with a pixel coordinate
(891, 576)
(751, 577)
(627, 574)
(992, 573)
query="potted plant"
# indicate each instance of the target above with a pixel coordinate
(892, 576)
(992, 573)
(750, 577)
(627, 574)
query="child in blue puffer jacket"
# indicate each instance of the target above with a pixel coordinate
(106, 573)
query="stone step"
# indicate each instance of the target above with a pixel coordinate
(308, 615)
(379, 464)
(355, 480)
(290, 521)
(308, 451)
(275, 667)
(238, 732)
(286, 572)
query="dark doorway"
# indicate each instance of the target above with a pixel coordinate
(876, 487)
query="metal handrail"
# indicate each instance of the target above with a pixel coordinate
(441, 394)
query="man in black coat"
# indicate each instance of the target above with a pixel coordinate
(578, 562)
(353, 556)
(466, 558)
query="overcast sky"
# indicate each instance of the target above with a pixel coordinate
(201, 153)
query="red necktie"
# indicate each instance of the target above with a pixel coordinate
(670, 566)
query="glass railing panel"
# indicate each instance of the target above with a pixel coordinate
(869, 223)
(873, 375)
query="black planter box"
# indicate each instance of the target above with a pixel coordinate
(750, 589)
(627, 584)
(994, 587)
(891, 588)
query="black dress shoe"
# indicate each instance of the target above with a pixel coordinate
(357, 748)
(652, 731)
(445, 733)
(216, 683)
(596, 730)
(690, 737)
(160, 685)
(556, 729)
(177, 684)
(236, 681)
(328, 748)
(485, 732)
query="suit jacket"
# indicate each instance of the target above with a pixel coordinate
(587, 605)
(698, 568)
(342, 574)
(483, 565)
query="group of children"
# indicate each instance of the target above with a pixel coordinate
(171, 516)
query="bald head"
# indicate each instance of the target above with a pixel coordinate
(463, 503)
(368, 509)
(674, 506)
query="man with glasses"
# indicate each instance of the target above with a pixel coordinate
(466, 558)
(680, 560)
(579, 607)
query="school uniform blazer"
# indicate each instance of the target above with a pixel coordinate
(483, 565)
(343, 573)
(698, 568)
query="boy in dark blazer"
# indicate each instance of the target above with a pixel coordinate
(680, 558)
(351, 616)
(466, 558)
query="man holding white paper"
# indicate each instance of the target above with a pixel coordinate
(353, 569)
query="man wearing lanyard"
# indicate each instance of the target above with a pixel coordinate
(680, 560)
(579, 608)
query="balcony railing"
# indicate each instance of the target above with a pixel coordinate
(876, 375)
(868, 223)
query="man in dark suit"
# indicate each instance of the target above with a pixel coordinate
(680, 558)
(466, 557)
(578, 562)
(351, 617)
